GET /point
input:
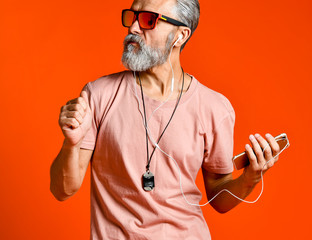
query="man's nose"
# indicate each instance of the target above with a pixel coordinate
(135, 28)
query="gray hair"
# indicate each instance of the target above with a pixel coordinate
(145, 57)
(187, 11)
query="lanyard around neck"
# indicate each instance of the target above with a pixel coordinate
(149, 159)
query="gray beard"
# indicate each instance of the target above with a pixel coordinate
(145, 57)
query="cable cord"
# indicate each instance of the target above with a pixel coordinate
(171, 89)
(180, 179)
(223, 190)
(145, 123)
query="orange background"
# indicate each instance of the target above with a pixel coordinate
(256, 53)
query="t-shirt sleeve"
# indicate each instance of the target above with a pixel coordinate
(89, 140)
(218, 150)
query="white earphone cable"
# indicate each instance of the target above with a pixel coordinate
(223, 190)
(180, 179)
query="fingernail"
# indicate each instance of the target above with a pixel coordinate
(268, 135)
(257, 135)
(251, 137)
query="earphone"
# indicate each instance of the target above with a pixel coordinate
(157, 146)
(179, 38)
(180, 179)
(172, 80)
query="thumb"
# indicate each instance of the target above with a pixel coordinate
(84, 95)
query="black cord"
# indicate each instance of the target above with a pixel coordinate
(144, 120)
(150, 159)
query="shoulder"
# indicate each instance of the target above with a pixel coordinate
(106, 82)
(214, 107)
(105, 87)
(102, 91)
(214, 98)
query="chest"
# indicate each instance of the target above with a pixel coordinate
(124, 136)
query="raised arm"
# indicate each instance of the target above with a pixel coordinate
(69, 167)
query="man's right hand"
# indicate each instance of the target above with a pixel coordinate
(75, 119)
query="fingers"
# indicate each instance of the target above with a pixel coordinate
(73, 113)
(84, 95)
(261, 154)
(251, 156)
(257, 146)
(265, 147)
(273, 144)
(69, 122)
(80, 101)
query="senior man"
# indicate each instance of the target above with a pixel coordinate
(148, 131)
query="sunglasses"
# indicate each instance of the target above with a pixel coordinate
(147, 20)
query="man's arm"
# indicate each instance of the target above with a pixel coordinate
(224, 202)
(68, 170)
(243, 185)
(69, 167)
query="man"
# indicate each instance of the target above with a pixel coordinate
(148, 131)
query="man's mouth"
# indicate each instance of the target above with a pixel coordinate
(133, 43)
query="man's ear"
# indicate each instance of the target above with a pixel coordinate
(183, 35)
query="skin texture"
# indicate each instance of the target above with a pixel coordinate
(69, 168)
(243, 185)
(156, 82)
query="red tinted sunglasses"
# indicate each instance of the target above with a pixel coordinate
(147, 20)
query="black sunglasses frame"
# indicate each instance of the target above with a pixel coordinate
(159, 16)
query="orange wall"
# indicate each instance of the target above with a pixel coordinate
(257, 53)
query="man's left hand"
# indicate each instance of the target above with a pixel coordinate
(258, 158)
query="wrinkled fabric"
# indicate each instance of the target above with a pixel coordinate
(200, 134)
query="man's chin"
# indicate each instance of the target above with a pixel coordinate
(128, 66)
(134, 68)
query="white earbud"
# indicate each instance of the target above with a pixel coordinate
(179, 38)
(172, 80)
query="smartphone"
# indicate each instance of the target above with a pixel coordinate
(241, 160)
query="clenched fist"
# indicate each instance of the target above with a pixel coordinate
(75, 119)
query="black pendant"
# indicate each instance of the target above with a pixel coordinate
(148, 181)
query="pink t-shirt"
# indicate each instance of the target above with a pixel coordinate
(200, 134)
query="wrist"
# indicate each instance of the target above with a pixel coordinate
(248, 181)
(68, 145)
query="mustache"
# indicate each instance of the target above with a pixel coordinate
(133, 38)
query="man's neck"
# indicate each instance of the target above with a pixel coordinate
(157, 81)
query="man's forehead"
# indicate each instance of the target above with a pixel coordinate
(159, 6)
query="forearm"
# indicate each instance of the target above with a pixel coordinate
(225, 201)
(252, 174)
(65, 177)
